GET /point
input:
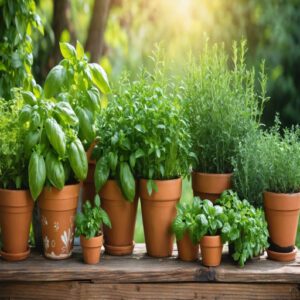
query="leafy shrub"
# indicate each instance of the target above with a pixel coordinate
(89, 221)
(222, 106)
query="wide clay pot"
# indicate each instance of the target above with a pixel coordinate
(16, 208)
(187, 251)
(91, 249)
(158, 212)
(210, 186)
(119, 239)
(282, 214)
(58, 210)
(211, 250)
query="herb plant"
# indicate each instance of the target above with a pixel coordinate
(89, 222)
(222, 105)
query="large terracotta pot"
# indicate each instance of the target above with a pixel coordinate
(15, 218)
(187, 251)
(158, 212)
(211, 250)
(210, 186)
(119, 239)
(58, 210)
(282, 214)
(91, 249)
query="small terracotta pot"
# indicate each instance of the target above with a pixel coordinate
(187, 251)
(211, 250)
(122, 214)
(282, 214)
(91, 249)
(15, 218)
(58, 210)
(210, 186)
(158, 212)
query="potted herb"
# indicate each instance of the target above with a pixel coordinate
(89, 228)
(57, 162)
(222, 106)
(16, 203)
(162, 135)
(185, 228)
(115, 172)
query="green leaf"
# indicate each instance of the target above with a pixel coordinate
(79, 50)
(67, 50)
(66, 113)
(105, 218)
(99, 77)
(54, 82)
(55, 170)
(101, 173)
(127, 181)
(36, 174)
(97, 201)
(29, 98)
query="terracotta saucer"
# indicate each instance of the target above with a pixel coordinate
(284, 257)
(15, 256)
(119, 250)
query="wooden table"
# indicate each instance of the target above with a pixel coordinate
(141, 277)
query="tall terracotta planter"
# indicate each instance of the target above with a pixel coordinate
(58, 210)
(210, 186)
(158, 212)
(282, 214)
(119, 239)
(211, 250)
(187, 251)
(91, 249)
(15, 219)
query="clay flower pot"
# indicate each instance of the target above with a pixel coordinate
(210, 186)
(15, 218)
(91, 249)
(122, 214)
(58, 210)
(187, 251)
(211, 250)
(158, 212)
(282, 214)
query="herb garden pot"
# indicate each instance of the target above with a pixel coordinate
(91, 249)
(119, 239)
(158, 212)
(211, 250)
(58, 210)
(187, 251)
(15, 218)
(210, 186)
(282, 214)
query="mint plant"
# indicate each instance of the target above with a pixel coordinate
(89, 221)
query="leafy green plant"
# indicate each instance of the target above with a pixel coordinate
(246, 227)
(222, 105)
(18, 19)
(79, 83)
(89, 222)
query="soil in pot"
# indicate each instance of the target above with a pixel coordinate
(211, 250)
(158, 212)
(187, 251)
(58, 210)
(210, 186)
(16, 208)
(91, 249)
(122, 214)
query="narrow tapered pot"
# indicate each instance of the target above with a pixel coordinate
(158, 212)
(58, 210)
(16, 208)
(211, 250)
(282, 214)
(187, 251)
(91, 249)
(210, 186)
(118, 239)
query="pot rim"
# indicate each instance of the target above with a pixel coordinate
(212, 174)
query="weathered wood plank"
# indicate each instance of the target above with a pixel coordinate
(87, 290)
(140, 268)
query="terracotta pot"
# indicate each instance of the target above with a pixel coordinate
(15, 218)
(282, 213)
(283, 257)
(211, 250)
(91, 249)
(210, 186)
(187, 251)
(58, 210)
(122, 214)
(158, 212)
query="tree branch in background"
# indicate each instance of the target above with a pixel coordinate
(95, 42)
